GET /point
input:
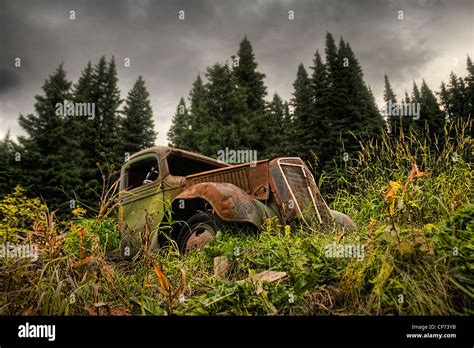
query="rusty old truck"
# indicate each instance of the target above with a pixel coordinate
(167, 194)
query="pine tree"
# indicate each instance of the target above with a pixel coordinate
(319, 121)
(83, 87)
(431, 116)
(249, 78)
(445, 99)
(106, 97)
(302, 103)
(109, 103)
(225, 122)
(288, 131)
(335, 110)
(228, 111)
(367, 122)
(83, 92)
(388, 94)
(251, 83)
(415, 96)
(407, 98)
(457, 92)
(101, 141)
(10, 170)
(395, 122)
(415, 99)
(137, 130)
(352, 113)
(469, 83)
(50, 149)
(274, 142)
(197, 112)
(332, 59)
(377, 124)
(286, 113)
(457, 97)
(180, 132)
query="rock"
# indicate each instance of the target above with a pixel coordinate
(221, 266)
(266, 276)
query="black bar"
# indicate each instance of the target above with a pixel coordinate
(224, 331)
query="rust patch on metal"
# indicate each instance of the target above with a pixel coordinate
(229, 202)
(251, 178)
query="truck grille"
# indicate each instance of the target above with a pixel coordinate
(309, 202)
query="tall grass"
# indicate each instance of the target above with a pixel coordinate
(448, 160)
(408, 270)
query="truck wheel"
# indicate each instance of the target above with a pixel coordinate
(198, 231)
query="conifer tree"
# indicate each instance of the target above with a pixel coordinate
(250, 82)
(415, 96)
(302, 103)
(457, 97)
(318, 122)
(445, 99)
(10, 169)
(367, 122)
(388, 94)
(137, 130)
(226, 114)
(352, 113)
(288, 131)
(415, 99)
(390, 99)
(50, 149)
(469, 83)
(105, 95)
(108, 105)
(180, 132)
(249, 78)
(101, 141)
(196, 113)
(431, 116)
(274, 127)
(407, 98)
(88, 128)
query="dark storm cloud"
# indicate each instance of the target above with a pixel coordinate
(170, 53)
(8, 80)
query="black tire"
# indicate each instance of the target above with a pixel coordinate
(198, 231)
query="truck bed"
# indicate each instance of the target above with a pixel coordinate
(250, 177)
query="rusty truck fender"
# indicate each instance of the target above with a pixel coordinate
(229, 202)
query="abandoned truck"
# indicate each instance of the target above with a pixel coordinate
(199, 194)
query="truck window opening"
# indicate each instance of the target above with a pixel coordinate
(183, 166)
(142, 173)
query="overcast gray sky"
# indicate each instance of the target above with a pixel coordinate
(434, 38)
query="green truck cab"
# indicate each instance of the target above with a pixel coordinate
(168, 193)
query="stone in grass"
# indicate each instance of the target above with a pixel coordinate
(221, 266)
(266, 276)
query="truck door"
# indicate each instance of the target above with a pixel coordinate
(142, 206)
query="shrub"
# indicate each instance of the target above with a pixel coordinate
(20, 216)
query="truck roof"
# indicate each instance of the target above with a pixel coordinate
(164, 149)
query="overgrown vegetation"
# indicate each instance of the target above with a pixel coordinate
(415, 215)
